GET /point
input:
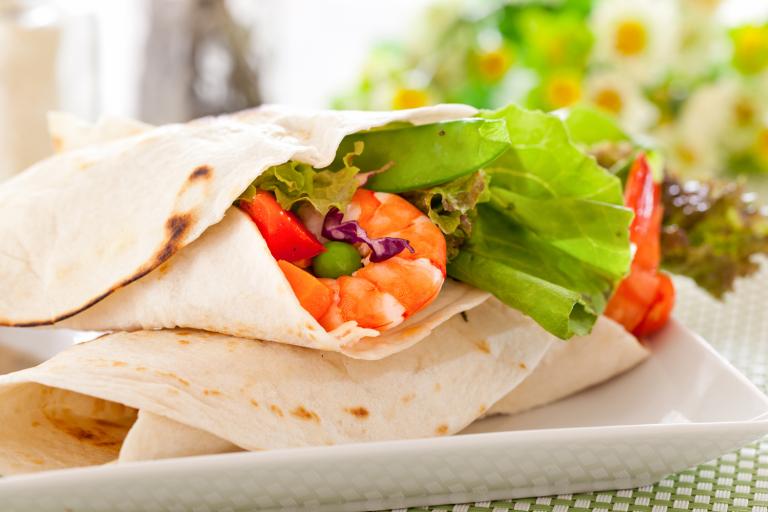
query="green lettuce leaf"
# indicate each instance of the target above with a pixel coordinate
(452, 206)
(418, 157)
(588, 126)
(294, 182)
(553, 241)
(601, 136)
(561, 293)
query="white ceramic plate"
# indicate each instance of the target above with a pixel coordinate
(684, 406)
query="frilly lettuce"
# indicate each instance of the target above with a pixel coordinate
(451, 206)
(711, 232)
(294, 182)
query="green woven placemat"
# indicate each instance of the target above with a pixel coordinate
(736, 482)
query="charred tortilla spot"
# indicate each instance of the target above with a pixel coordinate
(211, 392)
(128, 281)
(201, 173)
(39, 323)
(95, 437)
(441, 430)
(407, 398)
(358, 412)
(276, 410)
(164, 268)
(180, 380)
(183, 342)
(175, 228)
(96, 433)
(483, 346)
(523, 366)
(254, 403)
(108, 423)
(304, 414)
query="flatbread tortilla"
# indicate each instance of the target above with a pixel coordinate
(566, 368)
(156, 395)
(80, 407)
(121, 207)
(575, 365)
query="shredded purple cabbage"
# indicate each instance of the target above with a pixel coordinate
(335, 228)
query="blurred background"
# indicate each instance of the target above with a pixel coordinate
(690, 74)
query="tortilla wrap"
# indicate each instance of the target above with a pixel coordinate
(270, 396)
(566, 368)
(575, 365)
(428, 380)
(149, 438)
(123, 199)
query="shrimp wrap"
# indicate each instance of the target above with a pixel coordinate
(154, 394)
(355, 232)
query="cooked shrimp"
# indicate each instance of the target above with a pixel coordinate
(378, 295)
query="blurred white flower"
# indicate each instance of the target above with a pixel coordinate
(640, 38)
(709, 113)
(615, 93)
(689, 154)
(748, 112)
(717, 121)
(725, 114)
(703, 42)
(694, 144)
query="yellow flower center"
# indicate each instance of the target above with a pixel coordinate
(409, 98)
(494, 64)
(562, 91)
(761, 145)
(610, 100)
(750, 49)
(631, 38)
(686, 154)
(744, 112)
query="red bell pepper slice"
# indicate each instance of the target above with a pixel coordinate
(661, 309)
(643, 196)
(633, 298)
(644, 300)
(287, 238)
